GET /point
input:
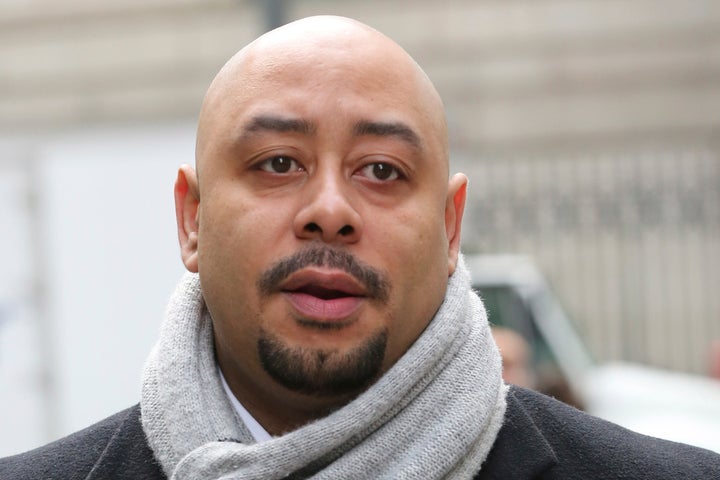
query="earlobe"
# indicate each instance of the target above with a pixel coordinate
(454, 209)
(187, 201)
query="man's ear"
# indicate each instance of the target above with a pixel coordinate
(187, 200)
(454, 208)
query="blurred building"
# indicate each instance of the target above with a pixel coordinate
(590, 131)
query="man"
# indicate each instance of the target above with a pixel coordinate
(327, 328)
(516, 355)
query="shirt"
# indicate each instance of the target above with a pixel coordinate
(256, 430)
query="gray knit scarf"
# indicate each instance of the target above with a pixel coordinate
(434, 414)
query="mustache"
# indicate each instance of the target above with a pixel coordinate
(373, 280)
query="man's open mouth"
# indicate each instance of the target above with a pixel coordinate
(323, 295)
(322, 292)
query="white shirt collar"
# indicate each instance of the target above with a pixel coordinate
(257, 431)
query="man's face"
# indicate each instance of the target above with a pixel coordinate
(323, 220)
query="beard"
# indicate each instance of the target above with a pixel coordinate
(315, 370)
(322, 372)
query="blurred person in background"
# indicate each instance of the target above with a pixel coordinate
(516, 357)
(715, 359)
(327, 327)
(518, 368)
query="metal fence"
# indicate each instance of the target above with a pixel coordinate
(630, 242)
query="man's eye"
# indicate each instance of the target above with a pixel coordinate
(380, 171)
(280, 164)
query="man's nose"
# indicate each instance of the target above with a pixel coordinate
(328, 213)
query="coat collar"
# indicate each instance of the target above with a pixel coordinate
(520, 450)
(127, 455)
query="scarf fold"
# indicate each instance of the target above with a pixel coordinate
(434, 414)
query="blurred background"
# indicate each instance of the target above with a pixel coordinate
(590, 131)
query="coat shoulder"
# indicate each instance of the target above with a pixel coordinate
(588, 447)
(108, 446)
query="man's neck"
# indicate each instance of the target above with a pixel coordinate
(279, 410)
(256, 430)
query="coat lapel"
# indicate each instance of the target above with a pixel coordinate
(127, 455)
(520, 451)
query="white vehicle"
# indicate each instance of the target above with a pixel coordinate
(670, 405)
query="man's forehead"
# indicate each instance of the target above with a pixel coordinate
(321, 53)
(363, 127)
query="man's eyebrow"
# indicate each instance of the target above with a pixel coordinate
(277, 124)
(388, 129)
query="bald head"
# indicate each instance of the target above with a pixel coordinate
(336, 50)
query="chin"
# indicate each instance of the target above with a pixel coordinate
(323, 370)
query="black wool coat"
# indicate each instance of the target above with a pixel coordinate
(541, 439)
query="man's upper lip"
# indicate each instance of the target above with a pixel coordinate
(322, 279)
